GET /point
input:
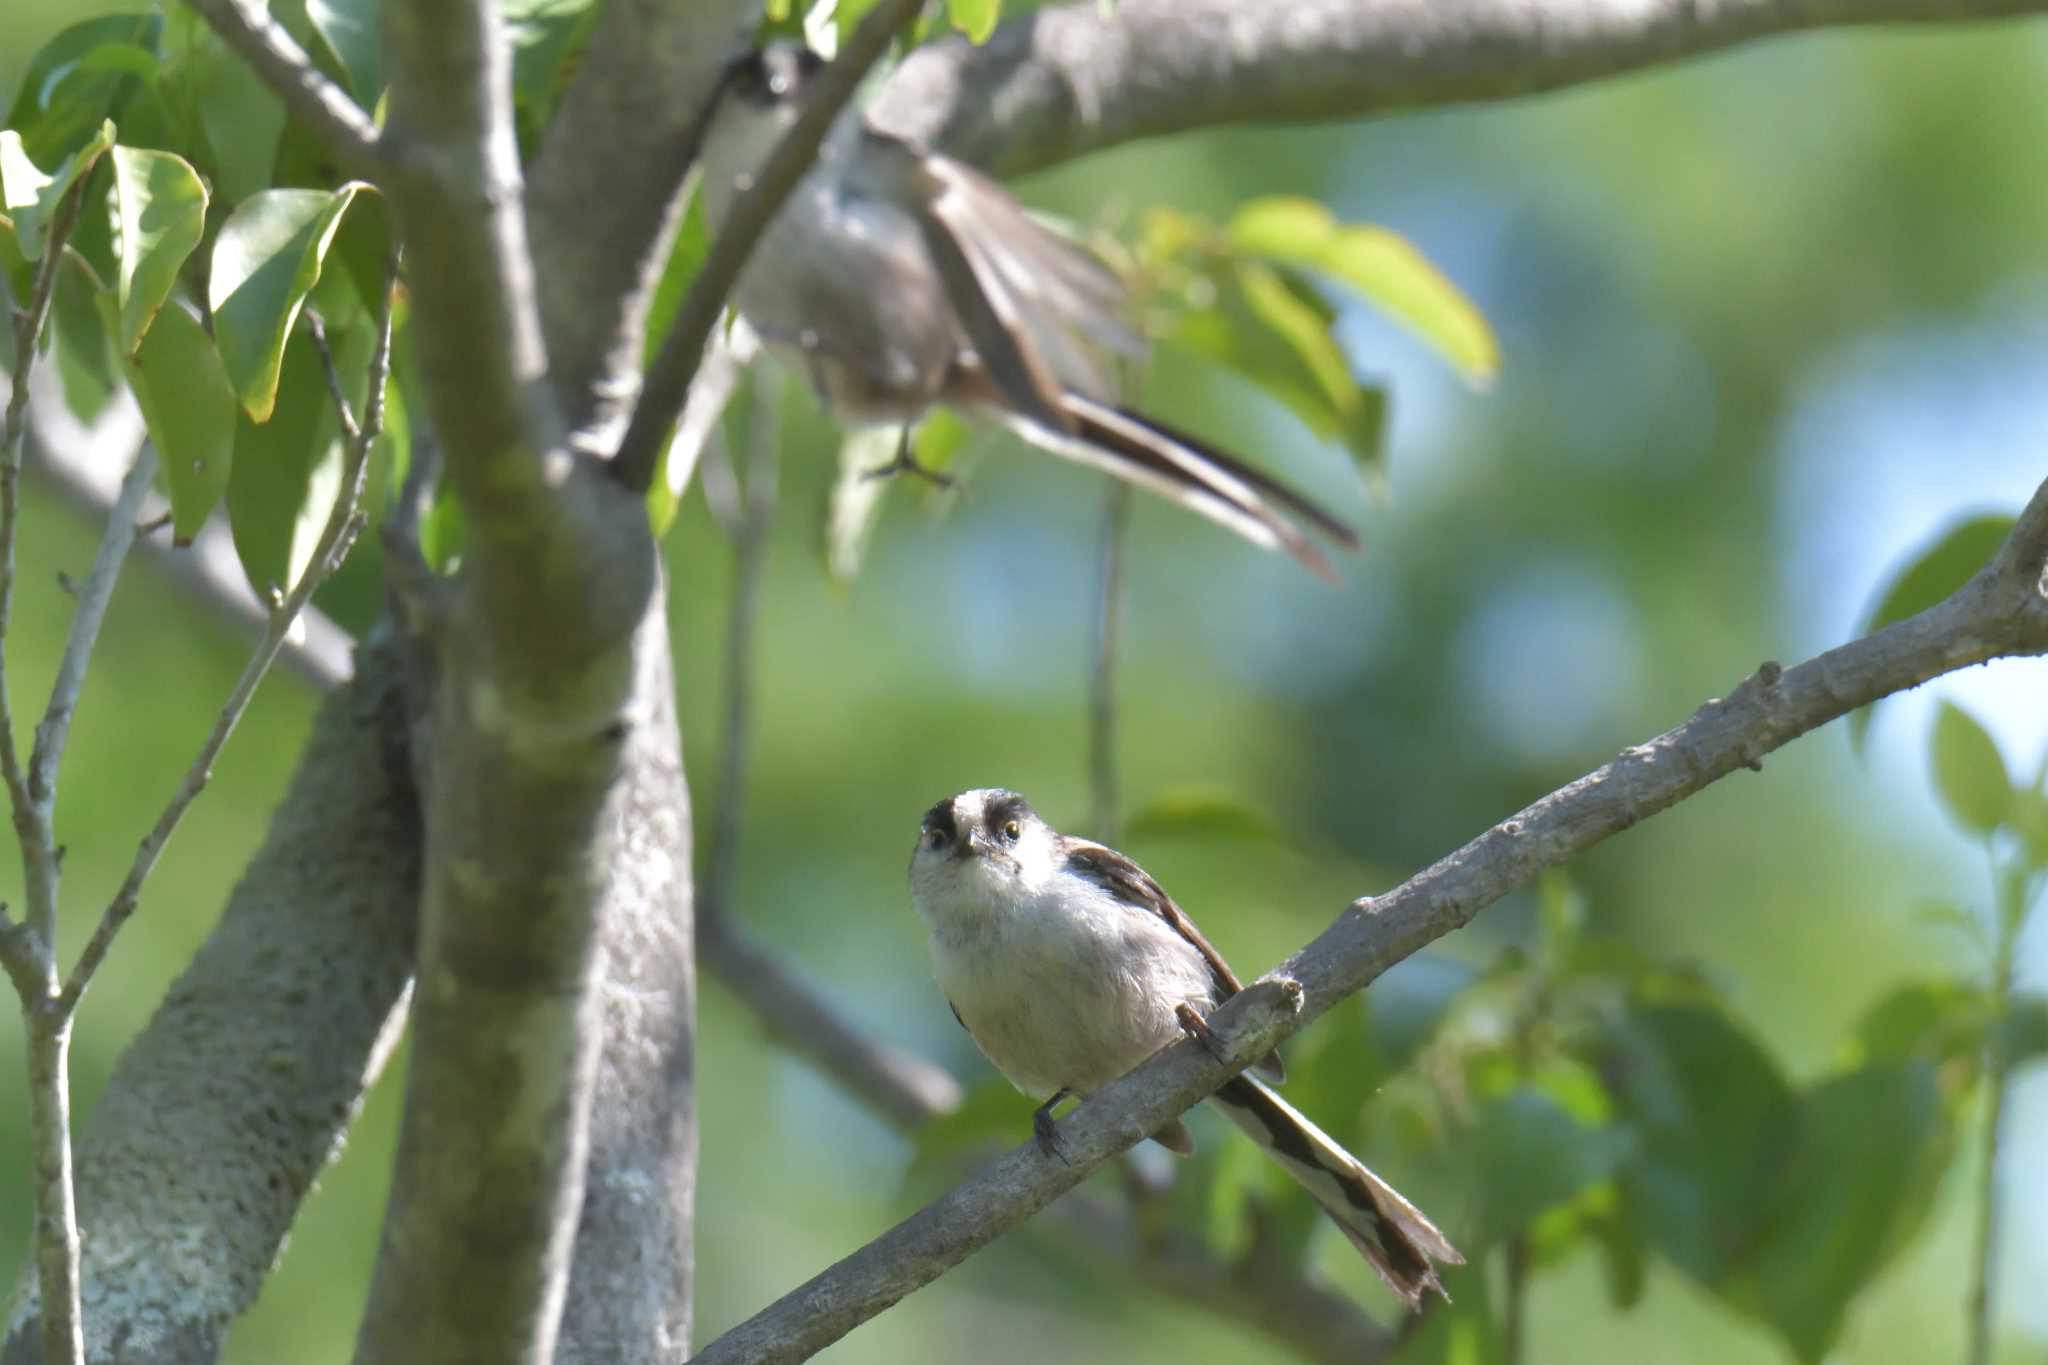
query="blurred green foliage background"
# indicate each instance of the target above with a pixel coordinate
(1769, 322)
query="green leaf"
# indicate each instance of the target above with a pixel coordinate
(1710, 1109)
(354, 29)
(1275, 331)
(1529, 1155)
(272, 503)
(685, 258)
(975, 18)
(1464, 1331)
(846, 16)
(1969, 775)
(161, 206)
(1381, 265)
(544, 34)
(2022, 1034)
(2029, 820)
(1866, 1151)
(81, 77)
(992, 1114)
(1926, 578)
(854, 506)
(1201, 811)
(31, 197)
(265, 261)
(1921, 1020)
(189, 407)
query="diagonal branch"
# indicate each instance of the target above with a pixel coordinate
(2001, 612)
(284, 66)
(668, 382)
(1072, 79)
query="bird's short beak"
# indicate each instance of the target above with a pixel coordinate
(973, 846)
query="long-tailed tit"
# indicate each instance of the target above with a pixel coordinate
(1068, 966)
(898, 279)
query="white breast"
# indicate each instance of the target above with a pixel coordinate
(1069, 988)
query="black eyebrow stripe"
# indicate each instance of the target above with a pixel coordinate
(1009, 806)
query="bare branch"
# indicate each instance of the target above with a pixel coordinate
(2001, 612)
(195, 1159)
(668, 382)
(31, 819)
(283, 65)
(604, 195)
(30, 952)
(93, 596)
(1061, 82)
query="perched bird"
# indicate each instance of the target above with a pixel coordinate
(896, 279)
(1068, 966)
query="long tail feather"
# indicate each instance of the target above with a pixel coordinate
(1389, 1231)
(1196, 476)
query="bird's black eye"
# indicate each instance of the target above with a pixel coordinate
(1012, 831)
(935, 838)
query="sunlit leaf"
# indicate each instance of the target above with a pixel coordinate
(1927, 577)
(354, 30)
(189, 407)
(855, 504)
(31, 197)
(975, 18)
(161, 206)
(1274, 331)
(1969, 775)
(266, 259)
(1381, 265)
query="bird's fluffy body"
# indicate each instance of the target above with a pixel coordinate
(1058, 982)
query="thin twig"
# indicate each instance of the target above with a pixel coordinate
(344, 523)
(1102, 709)
(1514, 1314)
(753, 533)
(30, 951)
(38, 847)
(668, 381)
(2009, 901)
(282, 64)
(92, 598)
(316, 332)
(2000, 613)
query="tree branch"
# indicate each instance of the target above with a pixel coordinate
(604, 194)
(283, 65)
(1061, 82)
(1999, 613)
(246, 1078)
(549, 668)
(668, 381)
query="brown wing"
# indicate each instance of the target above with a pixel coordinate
(1135, 887)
